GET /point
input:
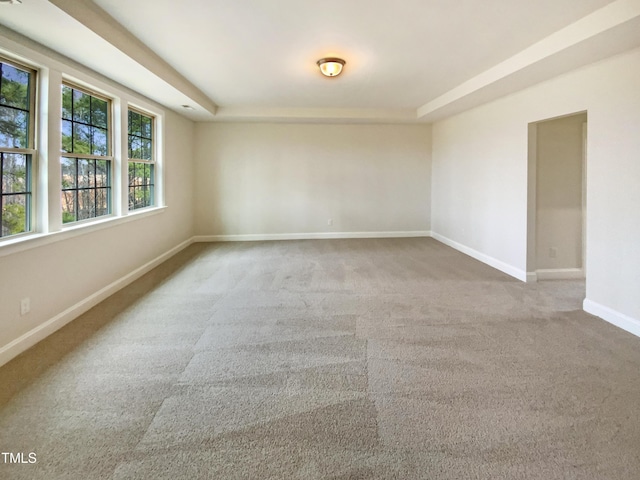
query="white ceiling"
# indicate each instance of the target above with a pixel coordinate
(406, 60)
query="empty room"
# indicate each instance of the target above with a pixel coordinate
(319, 240)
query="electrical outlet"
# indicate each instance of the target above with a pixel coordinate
(25, 306)
(553, 252)
(330, 222)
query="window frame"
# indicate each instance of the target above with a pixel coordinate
(51, 72)
(30, 151)
(153, 162)
(110, 157)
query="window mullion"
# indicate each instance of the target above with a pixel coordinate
(95, 187)
(29, 192)
(50, 192)
(87, 157)
(1, 183)
(76, 187)
(25, 151)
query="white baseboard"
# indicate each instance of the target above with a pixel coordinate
(492, 262)
(559, 273)
(22, 343)
(308, 236)
(625, 322)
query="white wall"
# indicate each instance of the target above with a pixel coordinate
(479, 178)
(559, 193)
(266, 179)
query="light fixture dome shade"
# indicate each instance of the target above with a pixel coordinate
(331, 67)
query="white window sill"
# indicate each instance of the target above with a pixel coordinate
(28, 241)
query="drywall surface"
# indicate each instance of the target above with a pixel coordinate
(257, 179)
(477, 199)
(559, 193)
(479, 176)
(59, 275)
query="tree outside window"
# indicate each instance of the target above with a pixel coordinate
(86, 161)
(141, 160)
(16, 148)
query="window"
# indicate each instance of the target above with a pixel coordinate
(105, 166)
(86, 160)
(141, 160)
(17, 90)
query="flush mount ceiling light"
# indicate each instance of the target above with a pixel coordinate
(11, 2)
(331, 67)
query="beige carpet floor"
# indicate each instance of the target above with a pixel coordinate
(337, 359)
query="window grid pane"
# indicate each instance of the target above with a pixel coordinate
(141, 160)
(15, 109)
(86, 188)
(15, 168)
(86, 182)
(141, 185)
(140, 136)
(85, 123)
(15, 193)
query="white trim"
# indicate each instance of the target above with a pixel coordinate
(625, 322)
(492, 262)
(317, 115)
(559, 273)
(22, 343)
(308, 236)
(585, 159)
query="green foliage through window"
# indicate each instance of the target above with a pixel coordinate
(141, 184)
(15, 192)
(85, 123)
(141, 160)
(140, 136)
(86, 188)
(86, 180)
(15, 165)
(14, 106)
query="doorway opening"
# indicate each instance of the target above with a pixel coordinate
(556, 221)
